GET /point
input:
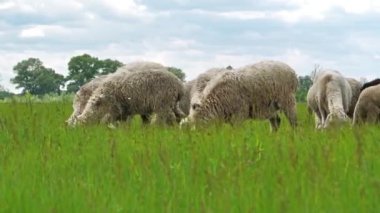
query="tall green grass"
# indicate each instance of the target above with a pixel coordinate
(47, 167)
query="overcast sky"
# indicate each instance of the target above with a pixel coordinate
(194, 35)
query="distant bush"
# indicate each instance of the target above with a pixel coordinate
(5, 94)
(27, 97)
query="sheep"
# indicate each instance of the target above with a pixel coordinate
(81, 97)
(355, 90)
(368, 106)
(255, 91)
(150, 90)
(84, 93)
(194, 88)
(329, 98)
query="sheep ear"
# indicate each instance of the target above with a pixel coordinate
(196, 106)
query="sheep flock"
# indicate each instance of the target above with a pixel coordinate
(259, 91)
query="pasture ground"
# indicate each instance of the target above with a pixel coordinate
(47, 167)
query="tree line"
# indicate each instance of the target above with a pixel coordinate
(35, 78)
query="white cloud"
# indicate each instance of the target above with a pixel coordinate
(56, 8)
(293, 16)
(6, 5)
(240, 15)
(178, 43)
(299, 10)
(32, 32)
(56, 30)
(125, 7)
(244, 15)
(322, 6)
(41, 31)
(366, 43)
(287, 16)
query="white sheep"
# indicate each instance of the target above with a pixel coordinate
(329, 98)
(152, 89)
(85, 91)
(355, 90)
(256, 91)
(368, 106)
(195, 87)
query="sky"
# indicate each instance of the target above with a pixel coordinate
(194, 35)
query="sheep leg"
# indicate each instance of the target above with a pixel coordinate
(372, 113)
(318, 120)
(290, 111)
(179, 114)
(323, 115)
(275, 122)
(358, 115)
(145, 118)
(166, 116)
(107, 119)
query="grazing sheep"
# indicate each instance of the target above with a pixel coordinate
(151, 90)
(329, 97)
(355, 90)
(256, 91)
(81, 97)
(194, 88)
(368, 106)
(84, 93)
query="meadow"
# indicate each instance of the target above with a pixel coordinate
(48, 167)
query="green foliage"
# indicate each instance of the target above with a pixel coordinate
(110, 66)
(177, 72)
(304, 83)
(85, 67)
(48, 167)
(33, 77)
(5, 94)
(47, 98)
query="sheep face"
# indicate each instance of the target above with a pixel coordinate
(336, 118)
(196, 117)
(72, 120)
(97, 108)
(199, 113)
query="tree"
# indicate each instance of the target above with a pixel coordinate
(35, 78)
(229, 67)
(304, 84)
(5, 93)
(85, 67)
(49, 82)
(177, 72)
(110, 66)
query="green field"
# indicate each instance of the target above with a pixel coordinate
(47, 167)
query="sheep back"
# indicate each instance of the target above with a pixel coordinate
(143, 92)
(330, 97)
(368, 106)
(254, 91)
(355, 86)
